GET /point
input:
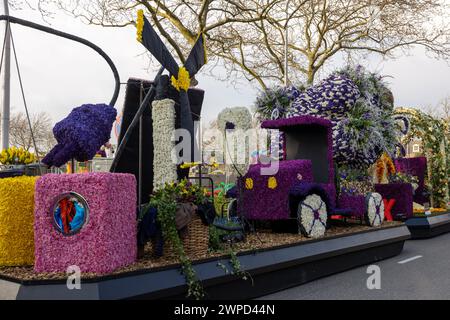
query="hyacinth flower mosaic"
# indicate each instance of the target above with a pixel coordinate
(359, 105)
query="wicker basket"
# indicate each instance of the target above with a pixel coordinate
(195, 240)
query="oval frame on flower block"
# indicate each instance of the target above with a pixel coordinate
(70, 213)
(16, 221)
(104, 238)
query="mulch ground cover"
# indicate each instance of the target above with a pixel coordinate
(260, 240)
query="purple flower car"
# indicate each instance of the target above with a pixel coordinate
(303, 190)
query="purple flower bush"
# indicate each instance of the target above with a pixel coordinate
(415, 167)
(332, 98)
(358, 104)
(275, 102)
(106, 242)
(81, 134)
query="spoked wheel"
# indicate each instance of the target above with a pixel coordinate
(374, 214)
(312, 216)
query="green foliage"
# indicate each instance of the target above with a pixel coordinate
(368, 129)
(237, 268)
(371, 85)
(183, 191)
(346, 173)
(433, 134)
(353, 181)
(166, 201)
(216, 234)
(220, 201)
(215, 243)
(276, 98)
(220, 196)
(400, 177)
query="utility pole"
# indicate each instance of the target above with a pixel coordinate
(286, 46)
(6, 83)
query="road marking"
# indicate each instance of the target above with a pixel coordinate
(410, 259)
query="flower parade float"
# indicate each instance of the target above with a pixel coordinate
(165, 242)
(43, 217)
(427, 174)
(81, 211)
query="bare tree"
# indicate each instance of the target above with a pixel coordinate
(320, 29)
(247, 36)
(445, 109)
(20, 134)
(439, 111)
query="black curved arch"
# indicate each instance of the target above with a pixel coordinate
(62, 34)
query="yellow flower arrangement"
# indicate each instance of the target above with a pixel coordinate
(183, 82)
(384, 167)
(215, 165)
(188, 165)
(140, 24)
(272, 183)
(16, 155)
(16, 221)
(249, 183)
(432, 210)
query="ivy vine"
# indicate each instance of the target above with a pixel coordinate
(434, 134)
(167, 206)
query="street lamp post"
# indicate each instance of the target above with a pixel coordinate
(6, 82)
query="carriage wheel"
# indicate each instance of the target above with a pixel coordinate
(374, 214)
(312, 216)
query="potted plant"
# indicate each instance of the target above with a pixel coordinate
(173, 215)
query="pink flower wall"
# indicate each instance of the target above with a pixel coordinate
(108, 239)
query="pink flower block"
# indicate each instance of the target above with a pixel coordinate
(108, 239)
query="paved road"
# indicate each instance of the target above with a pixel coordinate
(421, 271)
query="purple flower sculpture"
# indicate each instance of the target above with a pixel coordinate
(333, 98)
(81, 134)
(230, 126)
(359, 106)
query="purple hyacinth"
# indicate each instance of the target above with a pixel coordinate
(229, 125)
(81, 134)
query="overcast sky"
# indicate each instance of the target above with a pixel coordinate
(59, 74)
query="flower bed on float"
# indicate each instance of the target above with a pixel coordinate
(90, 220)
(262, 239)
(16, 221)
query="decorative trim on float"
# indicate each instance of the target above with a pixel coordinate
(428, 227)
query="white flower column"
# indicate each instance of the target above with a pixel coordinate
(163, 115)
